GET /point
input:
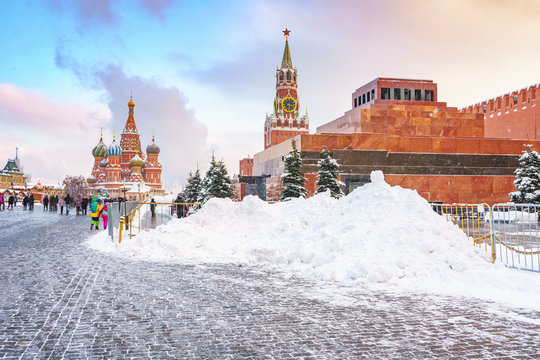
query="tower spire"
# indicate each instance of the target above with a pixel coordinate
(286, 62)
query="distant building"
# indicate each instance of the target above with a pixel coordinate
(246, 167)
(401, 127)
(120, 168)
(12, 176)
(511, 116)
(285, 120)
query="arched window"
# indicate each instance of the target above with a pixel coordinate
(286, 124)
(302, 124)
(295, 77)
(281, 75)
(279, 123)
(295, 123)
(288, 75)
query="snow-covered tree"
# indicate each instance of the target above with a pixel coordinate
(75, 185)
(328, 175)
(216, 183)
(528, 178)
(293, 179)
(193, 187)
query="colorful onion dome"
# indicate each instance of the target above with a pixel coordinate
(136, 161)
(100, 149)
(91, 179)
(152, 149)
(114, 149)
(103, 163)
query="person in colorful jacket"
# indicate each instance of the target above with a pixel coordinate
(95, 209)
(105, 215)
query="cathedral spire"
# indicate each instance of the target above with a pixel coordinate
(286, 62)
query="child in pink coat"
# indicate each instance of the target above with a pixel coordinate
(105, 216)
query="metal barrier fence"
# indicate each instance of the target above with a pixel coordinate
(471, 218)
(516, 235)
(145, 216)
(509, 232)
(116, 211)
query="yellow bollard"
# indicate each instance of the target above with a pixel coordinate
(120, 231)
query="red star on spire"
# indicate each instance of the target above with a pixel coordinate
(286, 32)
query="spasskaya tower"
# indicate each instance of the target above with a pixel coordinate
(285, 121)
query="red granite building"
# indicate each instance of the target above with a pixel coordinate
(400, 126)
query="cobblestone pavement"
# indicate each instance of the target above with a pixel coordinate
(59, 299)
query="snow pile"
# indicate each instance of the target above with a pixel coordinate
(377, 232)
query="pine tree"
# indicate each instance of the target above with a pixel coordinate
(193, 187)
(328, 174)
(292, 178)
(528, 178)
(216, 183)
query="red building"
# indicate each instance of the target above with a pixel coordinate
(511, 116)
(285, 120)
(118, 166)
(246, 167)
(400, 126)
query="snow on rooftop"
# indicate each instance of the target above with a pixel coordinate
(377, 233)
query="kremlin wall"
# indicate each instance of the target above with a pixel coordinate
(400, 126)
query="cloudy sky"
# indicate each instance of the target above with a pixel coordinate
(202, 72)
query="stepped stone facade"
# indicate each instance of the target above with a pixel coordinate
(400, 126)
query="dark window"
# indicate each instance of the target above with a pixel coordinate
(484, 108)
(397, 94)
(515, 99)
(407, 94)
(372, 94)
(364, 99)
(429, 95)
(288, 75)
(385, 93)
(355, 102)
(281, 75)
(368, 99)
(417, 95)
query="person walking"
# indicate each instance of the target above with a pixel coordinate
(31, 202)
(105, 215)
(45, 203)
(2, 205)
(11, 200)
(78, 203)
(84, 205)
(62, 203)
(68, 201)
(153, 208)
(25, 201)
(95, 209)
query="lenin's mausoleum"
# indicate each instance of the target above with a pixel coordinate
(400, 126)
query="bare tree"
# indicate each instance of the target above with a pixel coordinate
(75, 185)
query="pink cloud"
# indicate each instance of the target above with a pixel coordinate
(30, 109)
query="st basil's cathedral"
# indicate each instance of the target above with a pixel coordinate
(124, 167)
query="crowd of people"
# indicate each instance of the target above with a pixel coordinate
(54, 203)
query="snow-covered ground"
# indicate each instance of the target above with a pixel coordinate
(377, 234)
